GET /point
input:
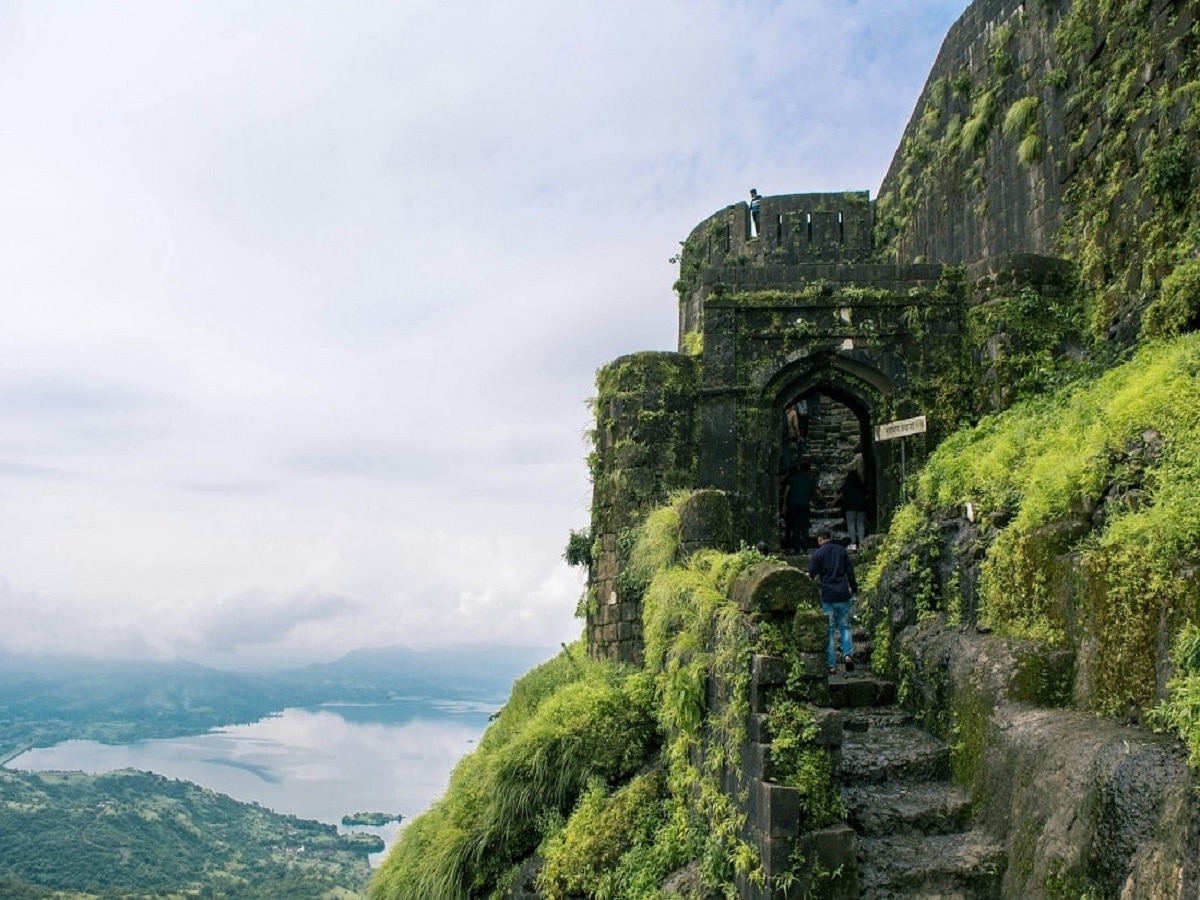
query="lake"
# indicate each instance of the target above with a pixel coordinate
(321, 763)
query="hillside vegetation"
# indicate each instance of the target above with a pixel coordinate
(1072, 519)
(132, 834)
(1088, 510)
(599, 780)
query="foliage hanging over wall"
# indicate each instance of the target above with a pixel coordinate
(614, 775)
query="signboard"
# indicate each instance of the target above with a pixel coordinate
(900, 428)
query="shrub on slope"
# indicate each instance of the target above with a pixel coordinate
(1118, 459)
(569, 723)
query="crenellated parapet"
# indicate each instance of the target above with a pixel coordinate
(792, 228)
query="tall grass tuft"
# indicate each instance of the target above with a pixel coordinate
(1021, 116)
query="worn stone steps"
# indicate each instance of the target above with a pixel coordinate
(913, 824)
(859, 689)
(895, 808)
(967, 864)
(876, 717)
(902, 753)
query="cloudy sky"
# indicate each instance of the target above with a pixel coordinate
(303, 301)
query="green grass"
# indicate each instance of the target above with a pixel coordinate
(1051, 460)
(570, 723)
(1021, 116)
(1181, 710)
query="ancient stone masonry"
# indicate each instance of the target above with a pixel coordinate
(1039, 218)
(644, 448)
(1056, 128)
(799, 314)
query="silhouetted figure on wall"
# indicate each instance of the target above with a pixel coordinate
(755, 208)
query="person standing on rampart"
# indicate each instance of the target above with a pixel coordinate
(755, 208)
(830, 565)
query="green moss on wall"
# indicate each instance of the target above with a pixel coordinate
(1132, 211)
(968, 737)
(1108, 471)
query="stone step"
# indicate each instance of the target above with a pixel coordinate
(864, 719)
(968, 865)
(907, 808)
(923, 894)
(902, 753)
(858, 689)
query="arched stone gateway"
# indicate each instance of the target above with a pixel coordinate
(798, 316)
(827, 407)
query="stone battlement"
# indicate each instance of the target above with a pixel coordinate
(793, 228)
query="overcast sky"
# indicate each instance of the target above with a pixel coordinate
(303, 302)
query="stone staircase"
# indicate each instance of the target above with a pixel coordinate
(913, 825)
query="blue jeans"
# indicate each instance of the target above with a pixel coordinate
(856, 524)
(839, 618)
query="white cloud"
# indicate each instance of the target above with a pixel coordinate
(304, 300)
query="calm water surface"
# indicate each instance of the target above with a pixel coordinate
(320, 763)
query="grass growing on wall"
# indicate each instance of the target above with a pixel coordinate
(614, 775)
(1181, 710)
(1057, 458)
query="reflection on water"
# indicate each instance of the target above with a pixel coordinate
(320, 764)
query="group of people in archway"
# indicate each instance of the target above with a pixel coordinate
(800, 490)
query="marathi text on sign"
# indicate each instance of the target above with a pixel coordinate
(900, 428)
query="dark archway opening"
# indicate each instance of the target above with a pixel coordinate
(825, 445)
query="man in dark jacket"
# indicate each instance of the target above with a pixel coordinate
(831, 566)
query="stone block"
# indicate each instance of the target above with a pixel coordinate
(818, 693)
(757, 761)
(857, 694)
(758, 728)
(631, 611)
(606, 567)
(625, 631)
(773, 587)
(769, 670)
(760, 697)
(810, 628)
(706, 521)
(829, 722)
(776, 852)
(835, 849)
(774, 809)
(814, 665)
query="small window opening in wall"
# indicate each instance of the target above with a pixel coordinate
(779, 229)
(808, 225)
(841, 230)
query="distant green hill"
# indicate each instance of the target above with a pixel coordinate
(137, 835)
(133, 834)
